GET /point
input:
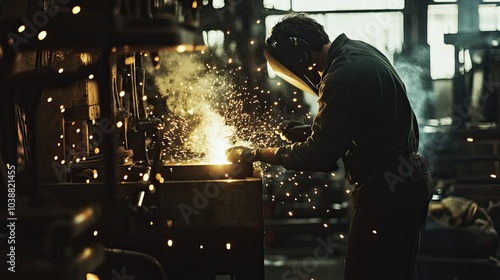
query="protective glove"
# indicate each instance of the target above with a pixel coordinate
(293, 131)
(241, 154)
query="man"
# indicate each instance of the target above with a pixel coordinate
(365, 119)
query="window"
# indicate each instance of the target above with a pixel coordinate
(283, 5)
(343, 5)
(442, 19)
(383, 30)
(489, 17)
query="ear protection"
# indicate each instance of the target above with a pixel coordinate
(291, 60)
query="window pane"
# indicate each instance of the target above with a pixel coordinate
(488, 17)
(382, 30)
(213, 38)
(442, 19)
(283, 5)
(442, 61)
(340, 5)
(218, 4)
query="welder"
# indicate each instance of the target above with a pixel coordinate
(365, 120)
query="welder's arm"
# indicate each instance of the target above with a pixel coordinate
(245, 154)
(268, 155)
(337, 122)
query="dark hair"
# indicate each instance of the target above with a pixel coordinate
(299, 25)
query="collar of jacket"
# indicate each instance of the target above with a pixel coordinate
(334, 50)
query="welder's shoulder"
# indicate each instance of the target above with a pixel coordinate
(355, 67)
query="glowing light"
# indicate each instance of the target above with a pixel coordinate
(181, 48)
(470, 139)
(49, 99)
(290, 213)
(91, 137)
(170, 223)
(145, 177)
(374, 231)
(144, 98)
(90, 276)
(91, 76)
(170, 243)
(60, 70)
(119, 124)
(151, 188)
(230, 61)
(21, 28)
(87, 181)
(493, 176)
(228, 246)
(310, 68)
(122, 93)
(42, 35)
(195, 4)
(325, 225)
(95, 232)
(252, 42)
(78, 130)
(258, 69)
(258, 21)
(342, 236)
(61, 136)
(96, 150)
(56, 157)
(150, 223)
(95, 174)
(76, 10)
(125, 177)
(201, 247)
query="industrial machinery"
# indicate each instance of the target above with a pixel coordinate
(91, 189)
(467, 161)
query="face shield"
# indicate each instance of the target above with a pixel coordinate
(291, 61)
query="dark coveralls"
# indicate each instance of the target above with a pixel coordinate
(365, 118)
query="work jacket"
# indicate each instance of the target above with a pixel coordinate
(364, 116)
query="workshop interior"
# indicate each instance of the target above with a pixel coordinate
(115, 115)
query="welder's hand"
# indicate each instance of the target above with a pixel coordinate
(241, 154)
(293, 131)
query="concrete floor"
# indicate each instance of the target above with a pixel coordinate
(309, 257)
(306, 257)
